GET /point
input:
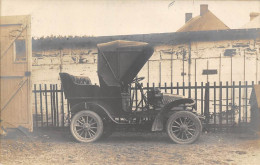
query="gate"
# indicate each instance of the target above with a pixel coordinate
(16, 53)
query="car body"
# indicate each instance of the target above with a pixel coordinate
(97, 111)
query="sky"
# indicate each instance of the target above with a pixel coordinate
(121, 17)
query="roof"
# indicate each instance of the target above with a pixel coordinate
(154, 39)
(254, 23)
(207, 21)
(120, 61)
(121, 44)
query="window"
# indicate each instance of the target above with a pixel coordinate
(209, 71)
(20, 50)
(230, 52)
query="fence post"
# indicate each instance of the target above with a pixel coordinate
(57, 104)
(51, 97)
(171, 88)
(227, 104)
(41, 104)
(62, 106)
(36, 113)
(201, 97)
(246, 90)
(214, 106)
(206, 103)
(183, 88)
(165, 84)
(233, 101)
(53, 106)
(189, 90)
(177, 88)
(239, 94)
(196, 98)
(46, 104)
(220, 105)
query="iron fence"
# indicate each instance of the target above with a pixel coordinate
(51, 109)
(225, 106)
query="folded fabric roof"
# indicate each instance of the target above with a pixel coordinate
(120, 61)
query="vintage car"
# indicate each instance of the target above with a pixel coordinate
(97, 111)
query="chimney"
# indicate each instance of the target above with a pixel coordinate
(188, 16)
(253, 15)
(203, 9)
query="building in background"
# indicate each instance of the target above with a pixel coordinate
(254, 21)
(203, 22)
(202, 50)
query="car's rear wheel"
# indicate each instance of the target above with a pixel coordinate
(86, 126)
(184, 127)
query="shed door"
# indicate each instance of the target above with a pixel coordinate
(15, 57)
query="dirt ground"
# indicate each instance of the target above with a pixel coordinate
(58, 147)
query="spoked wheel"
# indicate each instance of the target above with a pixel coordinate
(184, 127)
(86, 126)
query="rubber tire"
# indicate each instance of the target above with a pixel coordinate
(97, 119)
(190, 115)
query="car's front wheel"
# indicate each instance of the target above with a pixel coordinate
(86, 126)
(184, 127)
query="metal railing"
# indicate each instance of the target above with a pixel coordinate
(224, 105)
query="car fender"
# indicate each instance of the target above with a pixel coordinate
(186, 102)
(159, 119)
(98, 107)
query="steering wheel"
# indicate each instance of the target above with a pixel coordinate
(138, 79)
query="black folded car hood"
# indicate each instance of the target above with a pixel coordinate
(120, 61)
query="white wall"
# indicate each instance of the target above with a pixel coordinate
(47, 68)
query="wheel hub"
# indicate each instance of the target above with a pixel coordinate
(86, 126)
(183, 127)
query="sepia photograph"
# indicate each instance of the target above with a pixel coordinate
(130, 82)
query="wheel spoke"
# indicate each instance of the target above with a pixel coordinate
(93, 123)
(87, 120)
(178, 134)
(181, 135)
(89, 134)
(190, 133)
(181, 121)
(80, 134)
(85, 134)
(79, 129)
(185, 120)
(177, 122)
(92, 131)
(79, 122)
(77, 125)
(176, 130)
(91, 119)
(186, 135)
(175, 126)
(189, 121)
(84, 121)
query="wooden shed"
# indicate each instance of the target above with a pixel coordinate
(16, 53)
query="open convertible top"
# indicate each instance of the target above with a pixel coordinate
(120, 61)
